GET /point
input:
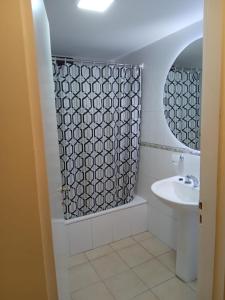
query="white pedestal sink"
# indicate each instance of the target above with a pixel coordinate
(184, 198)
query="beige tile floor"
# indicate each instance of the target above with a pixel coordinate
(139, 267)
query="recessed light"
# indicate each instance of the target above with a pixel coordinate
(95, 5)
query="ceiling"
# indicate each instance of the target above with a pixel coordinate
(126, 26)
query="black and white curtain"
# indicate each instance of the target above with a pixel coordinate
(182, 97)
(98, 115)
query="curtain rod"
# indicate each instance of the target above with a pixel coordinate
(81, 60)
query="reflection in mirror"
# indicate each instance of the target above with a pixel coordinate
(182, 95)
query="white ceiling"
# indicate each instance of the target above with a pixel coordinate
(191, 56)
(125, 27)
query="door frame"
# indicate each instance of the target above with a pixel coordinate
(212, 195)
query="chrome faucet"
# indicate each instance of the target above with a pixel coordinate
(190, 178)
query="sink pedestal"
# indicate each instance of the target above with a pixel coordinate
(187, 245)
(184, 198)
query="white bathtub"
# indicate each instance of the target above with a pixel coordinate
(94, 230)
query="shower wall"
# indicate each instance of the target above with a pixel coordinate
(98, 115)
(157, 162)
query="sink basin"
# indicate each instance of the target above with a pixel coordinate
(184, 198)
(176, 193)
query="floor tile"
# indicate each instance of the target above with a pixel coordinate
(169, 260)
(193, 285)
(94, 292)
(122, 243)
(82, 276)
(153, 273)
(174, 289)
(134, 255)
(98, 252)
(142, 236)
(125, 286)
(155, 246)
(109, 265)
(145, 296)
(78, 259)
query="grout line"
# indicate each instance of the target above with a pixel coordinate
(111, 276)
(164, 281)
(137, 264)
(87, 286)
(154, 255)
(106, 254)
(83, 263)
(162, 263)
(193, 289)
(129, 268)
(142, 293)
(175, 277)
(171, 271)
(108, 289)
(130, 237)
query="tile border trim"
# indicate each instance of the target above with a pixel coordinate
(171, 148)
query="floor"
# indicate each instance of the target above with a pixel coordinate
(139, 267)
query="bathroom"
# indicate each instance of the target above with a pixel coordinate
(111, 116)
(123, 105)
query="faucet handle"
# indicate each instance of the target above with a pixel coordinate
(190, 178)
(187, 179)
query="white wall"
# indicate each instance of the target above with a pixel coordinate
(156, 163)
(46, 88)
(43, 49)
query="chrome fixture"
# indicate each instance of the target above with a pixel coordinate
(182, 157)
(190, 178)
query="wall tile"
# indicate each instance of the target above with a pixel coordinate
(121, 224)
(102, 230)
(152, 129)
(80, 236)
(138, 219)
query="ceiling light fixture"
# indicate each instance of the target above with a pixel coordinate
(95, 5)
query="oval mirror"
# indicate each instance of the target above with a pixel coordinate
(182, 95)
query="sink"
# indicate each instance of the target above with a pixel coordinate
(176, 193)
(184, 198)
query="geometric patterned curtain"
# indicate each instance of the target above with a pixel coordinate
(98, 116)
(182, 97)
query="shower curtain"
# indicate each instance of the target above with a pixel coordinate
(98, 115)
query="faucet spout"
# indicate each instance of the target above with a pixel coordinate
(192, 179)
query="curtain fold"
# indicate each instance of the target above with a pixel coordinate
(98, 115)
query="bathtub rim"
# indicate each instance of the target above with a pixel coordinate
(137, 201)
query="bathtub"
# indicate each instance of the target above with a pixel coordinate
(94, 230)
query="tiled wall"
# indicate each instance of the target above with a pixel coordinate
(156, 163)
(105, 227)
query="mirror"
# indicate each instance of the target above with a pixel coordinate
(182, 95)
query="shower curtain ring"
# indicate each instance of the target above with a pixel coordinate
(64, 189)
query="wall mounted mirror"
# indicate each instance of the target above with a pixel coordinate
(182, 95)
